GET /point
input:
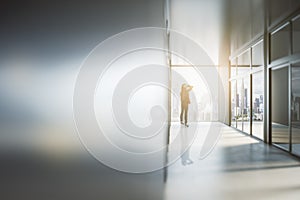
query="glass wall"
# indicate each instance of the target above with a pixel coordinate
(239, 104)
(296, 35)
(247, 102)
(280, 43)
(295, 108)
(244, 63)
(285, 86)
(283, 51)
(280, 107)
(241, 96)
(233, 103)
(258, 104)
(257, 55)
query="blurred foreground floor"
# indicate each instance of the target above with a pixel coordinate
(72, 173)
(239, 167)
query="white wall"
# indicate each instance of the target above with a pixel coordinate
(200, 20)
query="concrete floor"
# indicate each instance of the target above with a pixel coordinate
(239, 168)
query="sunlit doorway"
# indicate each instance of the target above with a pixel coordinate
(202, 111)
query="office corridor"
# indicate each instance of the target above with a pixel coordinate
(240, 167)
(88, 89)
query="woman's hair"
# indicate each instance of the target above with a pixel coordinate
(183, 86)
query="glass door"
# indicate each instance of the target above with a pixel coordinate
(295, 108)
(280, 107)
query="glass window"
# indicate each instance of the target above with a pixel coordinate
(295, 109)
(202, 105)
(239, 104)
(233, 103)
(280, 43)
(258, 104)
(296, 36)
(280, 106)
(258, 55)
(244, 63)
(246, 110)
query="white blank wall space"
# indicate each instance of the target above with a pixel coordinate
(201, 21)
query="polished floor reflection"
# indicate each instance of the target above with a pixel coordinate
(239, 167)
